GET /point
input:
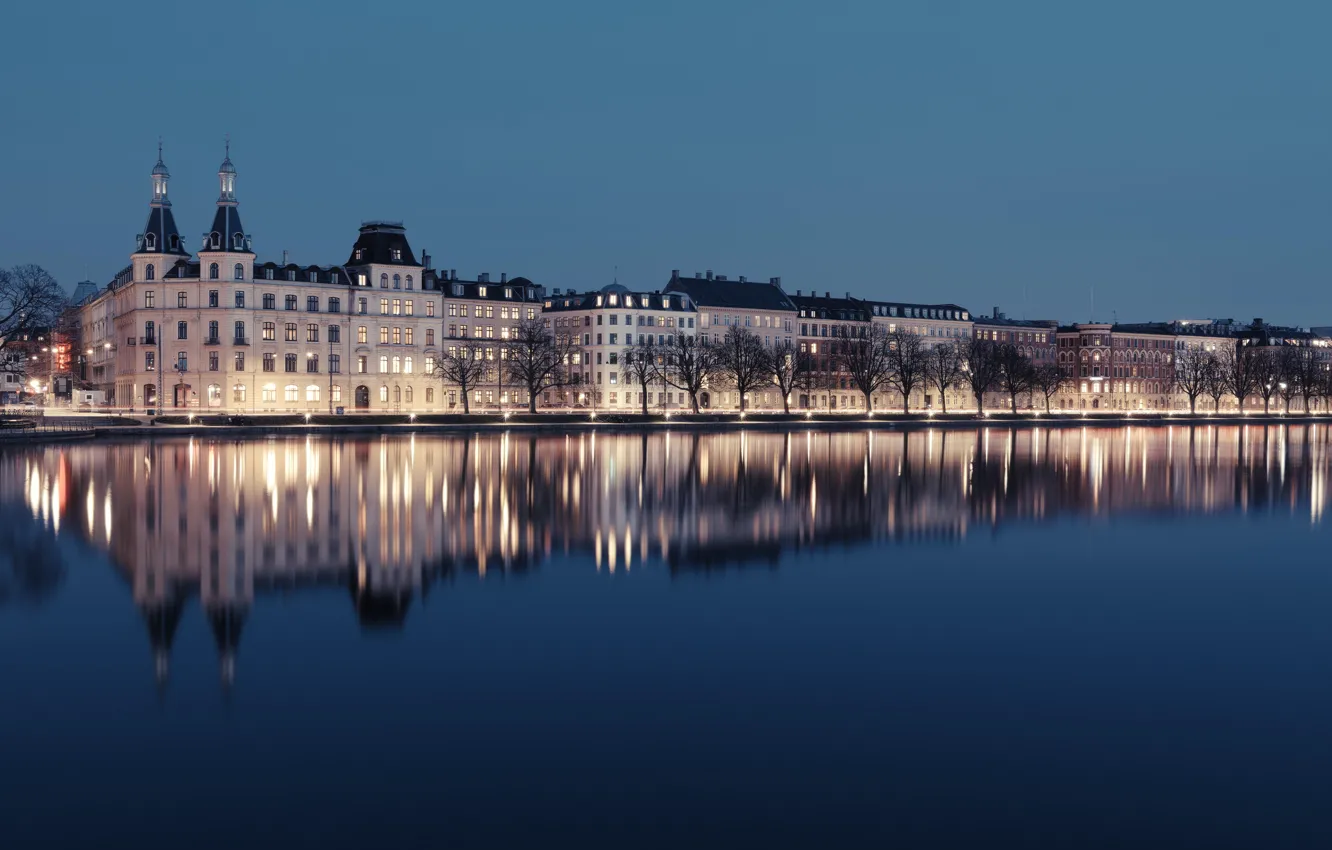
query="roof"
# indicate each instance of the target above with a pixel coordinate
(624, 299)
(161, 227)
(377, 242)
(1005, 322)
(517, 288)
(825, 307)
(904, 310)
(731, 294)
(227, 225)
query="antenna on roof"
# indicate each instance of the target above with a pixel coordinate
(616, 279)
(226, 139)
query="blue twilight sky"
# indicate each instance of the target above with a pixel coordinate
(1175, 156)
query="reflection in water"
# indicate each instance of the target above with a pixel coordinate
(388, 517)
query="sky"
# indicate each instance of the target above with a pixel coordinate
(1158, 159)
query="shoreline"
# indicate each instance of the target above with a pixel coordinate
(636, 423)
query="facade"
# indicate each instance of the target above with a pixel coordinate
(822, 320)
(937, 324)
(762, 308)
(602, 326)
(1035, 338)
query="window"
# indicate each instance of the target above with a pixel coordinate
(269, 331)
(213, 361)
(335, 305)
(212, 331)
(430, 395)
(430, 336)
(312, 392)
(238, 393)
(383, 393)
(336, 394)
(407, 335)
(407, 307)
(397, 282)
(289, 362)
(384, 335)
(240, 332)
(334, 333)
(429, 365)
(182, 361)
(292, 392)
(149, 360)
(212, 298)
(383, 281)
(312, 303)
(240, 298)
(312, 333)
(407, 365)
(270, 362)
(409, 281)
(291, 274)
(238, 273)
(270, 392)
(361, 334)
(361, 366)
(182, 330)
(312, 363)
(383, 364)
(270, 301)
(430, 309)
(383, 306)
(362, 306)
(148, 299)
(409, 394)
(149, 272)
(290, 302)
(290, 331)
(397, 255)
(397, 336)
(212, 271)
(240, 361)
(182, 299)
(397, 364)
(397, 306)
(334, 364)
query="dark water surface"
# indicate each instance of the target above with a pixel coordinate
(1034, 637)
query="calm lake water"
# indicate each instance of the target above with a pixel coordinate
(1033, 637)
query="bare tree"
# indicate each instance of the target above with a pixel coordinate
(1215, 385)
(981, 368)
(1014, 372)
(1265, 369)
(1237, 368)
(688, 363)
(463, 367)
(537, 359)
(864, 357)
(791, 369)
(1193, 366)
(30, 298)
(1307, 374)
(943, 369)
(640, 367)
(742, 361)
(1048, 378)
(906, 363)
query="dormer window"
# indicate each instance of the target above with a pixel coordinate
(268, 274)
(149, 242)
(313, 276)
(238, 241)
(396, 254)
(215, 241)
(174, 241)
(291, 274)
(359, 254)
(481, 291)
(457, 289)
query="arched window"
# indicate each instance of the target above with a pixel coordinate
(292, 392)
(409, 281)
(430, 395)
(397, 394)
(397, 282)
(212, 271)
(312, 392)
(214, 395)
(149, 242)
(214, 241)
(150, 273)
(383, 364)
(409, 395)
(407, 365)
(238, 393)
(238, 273)
(383, 393)
(397, 364)
(383, 281)
(174, 241)
(238, 241)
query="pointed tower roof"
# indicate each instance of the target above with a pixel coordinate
(160, 235)
(227, 233)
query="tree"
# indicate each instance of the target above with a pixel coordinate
(1014, 372)
(1237, 369)
(1307, 375)
(688, 363)
(791, 369)
(742, 361)
(1265, 369)
(1287, 361)
(30, 298)
(640, 366)
(980, 367)
(536, 359)
(1214, 378)
(1048, 378)
(464, 367)
(943, 369)
(1193, 366)
(906, 363)
(865, 359)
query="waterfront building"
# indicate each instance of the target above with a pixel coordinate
(822, 321)
(936, 324)
(1035, 339)
(602, 327)
(763, 309)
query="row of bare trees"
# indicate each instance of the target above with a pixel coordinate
(1242, 372)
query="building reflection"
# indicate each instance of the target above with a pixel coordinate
(389, 518)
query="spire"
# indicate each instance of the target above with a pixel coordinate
(159, 234)
(228, 234)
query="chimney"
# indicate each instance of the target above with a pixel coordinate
(721, 277)
(996, 312)
(504, 277)
(797, 292)
(572, 291)
(452, 275)
(848, 296)
(827, 294)
(557, 290)
(284, 256)
(742, 279)
(699, 274)
(425, 258)
(777, 281)
(484, 277)
(1257, 323)
(675, 275)
(709, 274)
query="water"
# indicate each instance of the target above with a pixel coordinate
(1040, 637)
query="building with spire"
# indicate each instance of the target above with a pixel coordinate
(222, 331)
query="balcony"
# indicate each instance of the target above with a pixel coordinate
(240, 340)
(212, 340)
(148, 340)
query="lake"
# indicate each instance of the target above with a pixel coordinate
(1071, 637)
